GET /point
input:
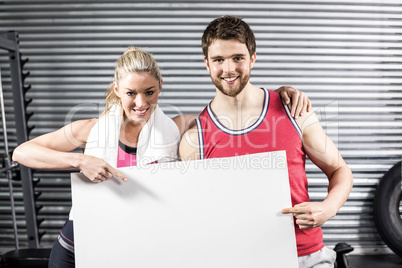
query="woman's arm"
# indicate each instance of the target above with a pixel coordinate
(52, 151)
(185, 121)
(296, 99)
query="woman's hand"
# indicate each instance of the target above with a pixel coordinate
(300, 102)
(98, 170)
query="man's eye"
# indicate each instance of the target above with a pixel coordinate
(238, 59)
(218, 60)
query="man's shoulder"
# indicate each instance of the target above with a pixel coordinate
(189, 144)
(191, 135)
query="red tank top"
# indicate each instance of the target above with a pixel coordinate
(274, 130)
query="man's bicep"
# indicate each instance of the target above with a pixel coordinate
(319, 147)
(189, 146)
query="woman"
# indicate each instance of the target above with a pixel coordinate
(132, 130)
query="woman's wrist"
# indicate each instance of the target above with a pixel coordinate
(77, 160)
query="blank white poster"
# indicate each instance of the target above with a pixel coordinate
(214, 213)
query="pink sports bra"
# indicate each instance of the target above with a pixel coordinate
(126, 156)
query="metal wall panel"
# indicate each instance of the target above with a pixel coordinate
(345, 55)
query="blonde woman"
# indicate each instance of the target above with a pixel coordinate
(132, 130)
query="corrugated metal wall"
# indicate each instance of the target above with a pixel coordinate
(345, 55)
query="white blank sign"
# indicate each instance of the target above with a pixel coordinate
(214, 213)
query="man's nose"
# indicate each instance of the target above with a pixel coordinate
(228, 66)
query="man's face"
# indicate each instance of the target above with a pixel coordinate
(229, 64)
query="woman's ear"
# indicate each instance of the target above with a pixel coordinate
(116, 89)
(160, 84)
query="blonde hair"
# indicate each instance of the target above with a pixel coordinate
(133, 60)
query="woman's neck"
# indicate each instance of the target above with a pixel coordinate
(130, 132)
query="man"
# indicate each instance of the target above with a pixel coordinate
(244, 119)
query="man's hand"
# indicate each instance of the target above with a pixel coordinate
(297, 99)
(310, 214)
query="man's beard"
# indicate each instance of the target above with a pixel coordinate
(232, 91)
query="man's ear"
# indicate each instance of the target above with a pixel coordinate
(253, 59)
(207, 63)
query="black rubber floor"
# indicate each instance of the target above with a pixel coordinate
(354, 261)
(374, 261)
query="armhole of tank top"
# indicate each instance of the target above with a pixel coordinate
(292, 120)
(200, 138)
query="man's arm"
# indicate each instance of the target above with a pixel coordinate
(189, 145)
(323, 153)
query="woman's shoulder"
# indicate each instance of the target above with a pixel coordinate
(80, 129)
(86, 123)
(83, 125)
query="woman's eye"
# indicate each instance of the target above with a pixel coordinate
(130, 93)
(150, 93)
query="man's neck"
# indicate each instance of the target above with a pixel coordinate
(241, 111)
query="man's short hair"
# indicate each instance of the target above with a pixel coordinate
(228, 28)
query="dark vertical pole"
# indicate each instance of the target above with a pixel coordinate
(22, 136)
(8, 167)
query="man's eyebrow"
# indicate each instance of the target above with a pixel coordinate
(232, 56)
(238, 55)
(216, 57)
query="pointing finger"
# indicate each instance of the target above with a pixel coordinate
(119, 175)
(287, 210)
(116, 173)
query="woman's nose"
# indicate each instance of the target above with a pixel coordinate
(140, 101)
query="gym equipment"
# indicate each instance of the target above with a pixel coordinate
(32, 256)
(387, 214)
(341, 249)
(9, 41)
(8, 167)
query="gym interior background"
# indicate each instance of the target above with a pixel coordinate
(346, 55)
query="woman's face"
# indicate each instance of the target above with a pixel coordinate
(139, 95)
